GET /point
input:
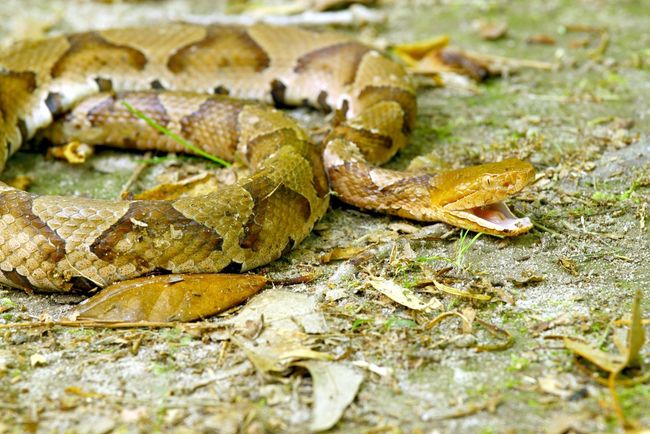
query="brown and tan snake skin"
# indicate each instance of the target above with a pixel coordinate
(72, 86)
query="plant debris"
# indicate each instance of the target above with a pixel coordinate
(169, 298)
(615, 363)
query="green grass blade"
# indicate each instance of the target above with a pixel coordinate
(175, 137)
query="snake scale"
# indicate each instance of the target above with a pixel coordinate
(208, 84)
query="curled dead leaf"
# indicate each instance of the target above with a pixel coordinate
(402, 295)
(412, 52)
(74, 152)
(630, 353)
(339, 253)
(180, 297)
(335, 386)
(527, 278)
(453, 291)
(606, 361)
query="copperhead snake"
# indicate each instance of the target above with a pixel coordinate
(71, 87)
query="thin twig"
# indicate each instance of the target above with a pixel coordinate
(110, 325)
(134, 176)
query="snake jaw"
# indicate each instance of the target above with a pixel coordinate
(480, 192)
(495, 219)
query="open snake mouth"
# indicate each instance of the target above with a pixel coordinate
(495, 218)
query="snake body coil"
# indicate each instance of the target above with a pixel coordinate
(72, 86)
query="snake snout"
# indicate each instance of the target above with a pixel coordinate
(481, 191)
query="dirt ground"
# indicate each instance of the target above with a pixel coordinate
(268, 366)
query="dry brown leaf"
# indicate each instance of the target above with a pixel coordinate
(497, 332)
(460, 62)
(607, 361)
(282, 310)
(636, 334)
(180, 297)
(279, 353)
(288, 319)
(630, 354)
(404, 296)
(540, 39)
(339, 253)
(335, 386)
(469, 313)
(569, 265)
(453, 291)
(492, 31)
(527, 278)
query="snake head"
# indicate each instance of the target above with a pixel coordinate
(472, 197)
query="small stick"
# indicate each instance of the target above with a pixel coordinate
(110, 325)
(124, 193)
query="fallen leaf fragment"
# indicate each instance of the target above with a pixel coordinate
(569, 265)
(453, 60)
(579, 43)
(411, 52)
(180, 297)
(540, 39)
(607, 361)
(288, 318)
(495, 331)
(78, 391)
(552, 385)
(335, 386)
(74, 152)
(339, 253)
(492, 31)
(438, 319)
(382, 371)
(636, 334)
(433, 58)
(490, 405)
(279, 353)
(527, 278)
(283, 310)
(453, 291)
(402, 295)
(37, 360)
(629, 356)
